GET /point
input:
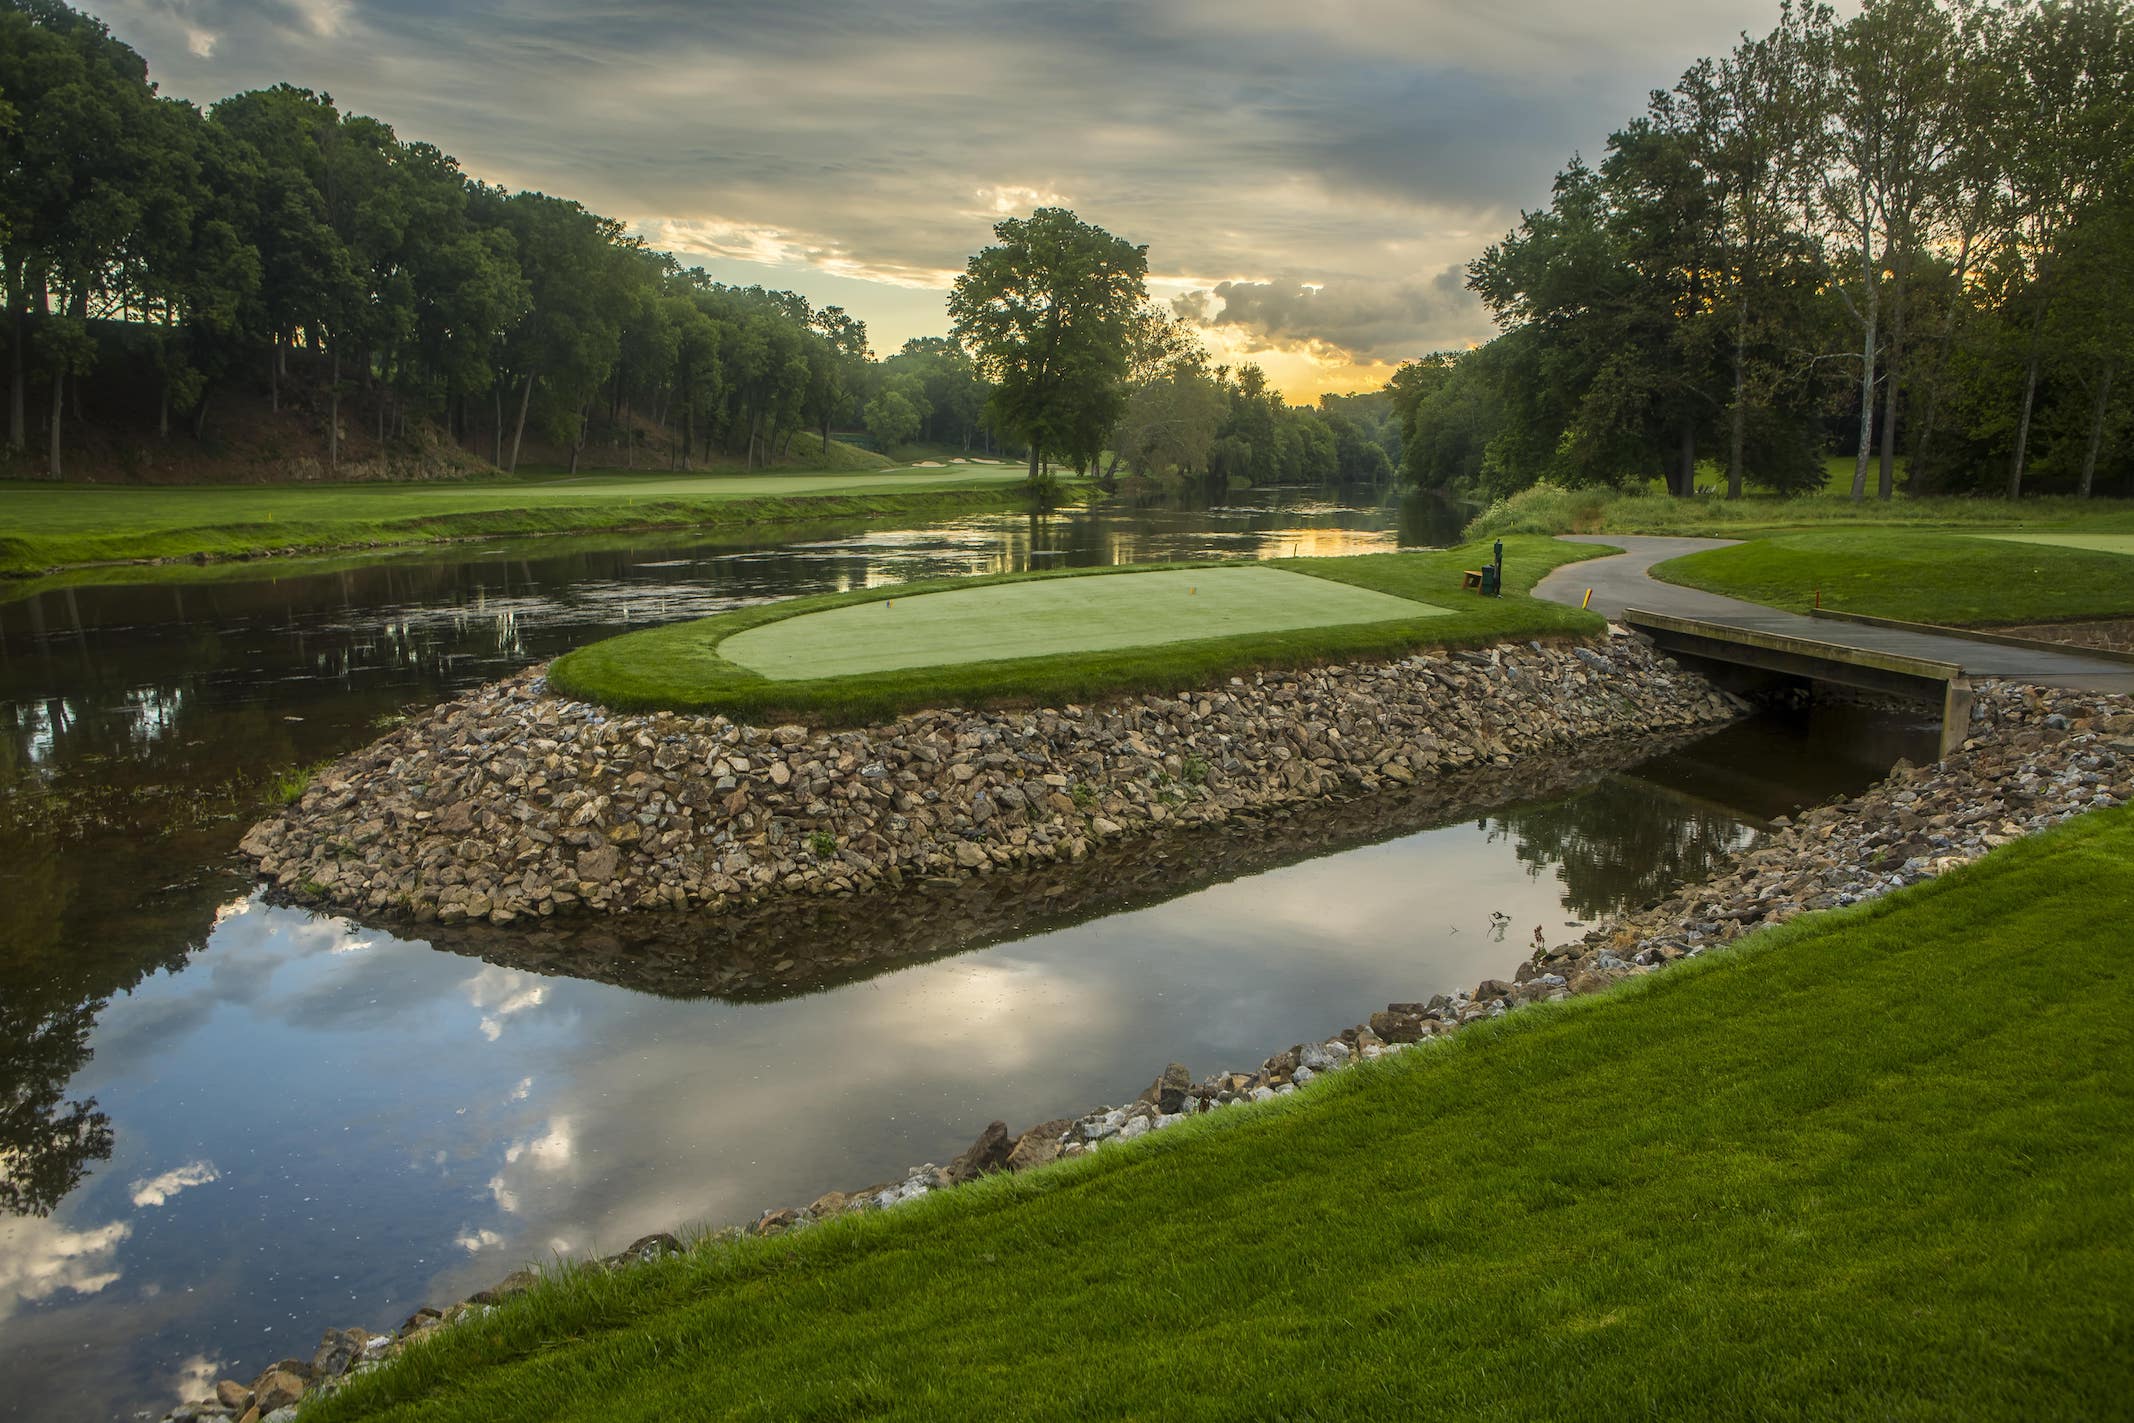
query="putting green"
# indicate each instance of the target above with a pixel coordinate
(1054, 615)
(2096, 543)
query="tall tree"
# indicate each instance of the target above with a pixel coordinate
(1044, 312)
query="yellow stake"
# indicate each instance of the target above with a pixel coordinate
(1587, 601)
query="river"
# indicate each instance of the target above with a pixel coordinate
(227, 1125)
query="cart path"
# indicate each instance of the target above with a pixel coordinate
(1625, 581)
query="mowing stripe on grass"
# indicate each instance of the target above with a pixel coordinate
(1054, 616)
(2095, 543)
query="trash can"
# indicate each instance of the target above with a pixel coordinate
(1490, 576)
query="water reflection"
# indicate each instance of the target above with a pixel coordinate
(225, 1121)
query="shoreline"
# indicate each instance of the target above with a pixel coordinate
(2036, 758)
(513, 804)
(769, 511)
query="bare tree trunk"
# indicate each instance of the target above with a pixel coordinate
(200, 414)
(496, 395)
(1033, 461)
(18, 378)
(274, 375)
(585, 413)
(1886, 487)
(518, 432)
(2022, 425)
(59, 394)
(1737, 435)
(2097, 412)
(1867, 387)
(333, 413)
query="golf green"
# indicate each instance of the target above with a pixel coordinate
(1055, 615)
(2096, 543)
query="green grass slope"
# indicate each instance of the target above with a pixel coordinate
(45, 526)
(1953, 579)
(1548, 509)
(681, 667)
(1872, 1164)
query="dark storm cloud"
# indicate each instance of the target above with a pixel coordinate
(1255, 143)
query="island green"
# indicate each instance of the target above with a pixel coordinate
(1094, 631)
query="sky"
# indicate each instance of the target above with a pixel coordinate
(1310, 176)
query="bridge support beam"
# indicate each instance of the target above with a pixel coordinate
(1731, 651)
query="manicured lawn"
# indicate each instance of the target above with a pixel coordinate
(1953, 579)
(1394, 603)
(1873, 1164)
(46, 526)
(1049, 616)
(1546, 510)
(2096, 543)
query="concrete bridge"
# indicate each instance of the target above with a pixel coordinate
(1744, 644)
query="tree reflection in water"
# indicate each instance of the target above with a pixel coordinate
(1622, 845)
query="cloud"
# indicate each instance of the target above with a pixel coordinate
(1364, 320)
(844, 150)
(39, 1258)
(505, 992)
(157, 1189)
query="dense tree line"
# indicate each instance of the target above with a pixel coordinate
(277, 243)
(1906, 235)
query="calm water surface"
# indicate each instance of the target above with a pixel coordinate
(227, 1125)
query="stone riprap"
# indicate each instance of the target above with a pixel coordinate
(514, 802)
(2037, 757)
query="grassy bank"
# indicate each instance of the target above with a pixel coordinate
(681, 666)
(1546, 509)
(49, 527)
(1874, 1163)
(1953, 579)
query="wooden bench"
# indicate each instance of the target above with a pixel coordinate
(1471, 578)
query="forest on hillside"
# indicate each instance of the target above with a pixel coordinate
(1908, 237)
(164, 265)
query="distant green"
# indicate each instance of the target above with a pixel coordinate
(46, 526)
(1048, 616)
(1876, 1163)
(682, 666)
(1955, 579)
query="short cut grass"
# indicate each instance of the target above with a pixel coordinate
(1959, 580)
(682, 667)
(1045, 617)
(1870, 1164)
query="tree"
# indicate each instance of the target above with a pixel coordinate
(1044, 313)
(1170, 424)
(2068, 118)
(1769, 98)
(892, 419)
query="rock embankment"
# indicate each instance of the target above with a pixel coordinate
(2036, 758)
(515, 802)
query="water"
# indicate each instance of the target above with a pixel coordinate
(269, 1121)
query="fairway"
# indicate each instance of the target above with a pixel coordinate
(46, 526)
(1056, 615)
(2095, 543)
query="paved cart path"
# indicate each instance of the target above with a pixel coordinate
(1625, 581)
